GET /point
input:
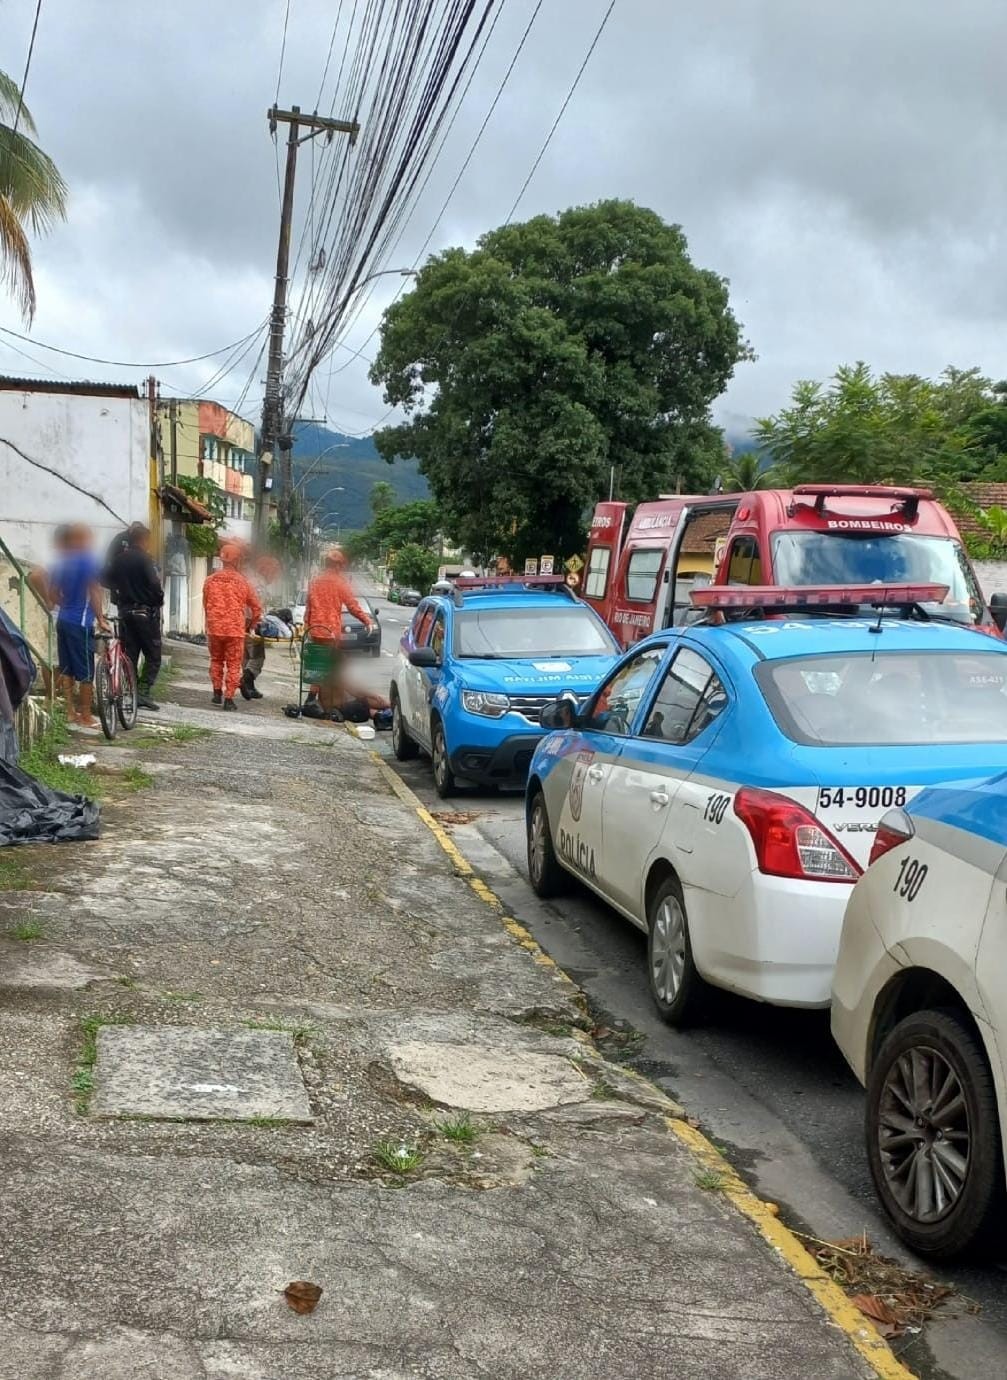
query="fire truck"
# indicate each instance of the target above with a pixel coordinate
(640, 572)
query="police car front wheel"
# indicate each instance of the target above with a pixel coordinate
(547, 877)
(675, 985)
(402, 745)
(444, 780)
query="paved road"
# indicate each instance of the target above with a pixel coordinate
(767, 1084)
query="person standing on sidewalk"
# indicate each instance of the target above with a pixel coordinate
(328, 594)
(73, 585)
(260, 573)
(139, 596)
(230, 605)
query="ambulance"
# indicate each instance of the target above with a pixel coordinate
(641, 570)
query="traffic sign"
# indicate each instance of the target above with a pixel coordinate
(545, 565)
(531, 566)
(574, 563)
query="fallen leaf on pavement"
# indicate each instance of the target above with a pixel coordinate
(875, 1308)
(895, 1298)
(302, 1296)
(450, 817)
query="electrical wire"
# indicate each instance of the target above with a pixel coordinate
(562, 111)
(132, 364)
(27, 67)
(283, 50)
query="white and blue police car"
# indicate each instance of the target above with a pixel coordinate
(722, 787)
(919, 1008)
(476, 669)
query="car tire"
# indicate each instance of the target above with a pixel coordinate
(545, 873)
(376, 649)
(678, 991)
(403, 746)
(939, 1045)
(444, 781)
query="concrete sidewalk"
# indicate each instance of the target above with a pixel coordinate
(271, 940)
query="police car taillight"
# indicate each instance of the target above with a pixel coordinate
(789, 841)
(816, 596)
(895, 828)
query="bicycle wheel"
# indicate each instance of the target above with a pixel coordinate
(126, 705)
(103, 699)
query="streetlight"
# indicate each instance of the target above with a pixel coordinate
(402, 272)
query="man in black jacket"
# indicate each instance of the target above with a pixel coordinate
(137, 590)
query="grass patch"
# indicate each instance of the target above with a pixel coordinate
(27, 930)
(12, 875)
(136, 779)
(124, 980)
(712, 1180)
(164, 678)
(604, 1092)
(459, 1128)
(183, 996)
(269, 1123)
(186, 733)
(41, 761)
(397, 1156)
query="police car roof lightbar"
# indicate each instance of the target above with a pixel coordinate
(817, 596)
(510, 584)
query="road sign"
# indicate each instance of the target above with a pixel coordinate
(545, 565)
(531, 566)
(574, 563)
(573, 579)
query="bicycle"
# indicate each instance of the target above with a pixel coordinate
(115, 688)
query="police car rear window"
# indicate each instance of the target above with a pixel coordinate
(888, 699)
(570, 630)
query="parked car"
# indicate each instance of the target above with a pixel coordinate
(722, 787)
(476, 669)
(919, 1010)
(641, 563)
(299, 607)
(409, 598)
(359, 638)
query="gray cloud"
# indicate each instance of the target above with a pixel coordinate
(842, 165)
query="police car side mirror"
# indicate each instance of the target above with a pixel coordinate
(998, 608)
(562, 712)
(424, 657)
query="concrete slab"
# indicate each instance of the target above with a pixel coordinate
(34, 965)
(202, 1075)
(488, 1079)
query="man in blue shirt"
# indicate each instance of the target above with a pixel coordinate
(75, 589)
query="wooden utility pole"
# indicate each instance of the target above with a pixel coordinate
(275, 434)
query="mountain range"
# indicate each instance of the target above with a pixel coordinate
(341, 472)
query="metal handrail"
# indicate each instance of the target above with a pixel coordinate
(24, 585)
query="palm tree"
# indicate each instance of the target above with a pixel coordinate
(32, 194)
(744, 473)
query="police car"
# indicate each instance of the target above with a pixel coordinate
(722, 787)
(920, 1012)
(476, 669)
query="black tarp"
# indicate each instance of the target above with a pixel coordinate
(33, 813)
(29, 811)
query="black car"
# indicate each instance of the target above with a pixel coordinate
(409, 597)
(356, 636)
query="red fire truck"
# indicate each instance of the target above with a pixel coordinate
(639, 575)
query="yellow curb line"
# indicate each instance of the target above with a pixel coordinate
(843, 1314)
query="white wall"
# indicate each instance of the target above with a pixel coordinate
(992, 576)
(102, 444)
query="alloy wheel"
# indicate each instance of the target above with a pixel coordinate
(668, 949)
(536, 851)
(924, 1134)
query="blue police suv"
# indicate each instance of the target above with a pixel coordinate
(476, 668)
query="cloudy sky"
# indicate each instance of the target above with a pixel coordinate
(842, 165)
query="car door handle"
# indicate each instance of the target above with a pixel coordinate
(660, 798)
(595, 773)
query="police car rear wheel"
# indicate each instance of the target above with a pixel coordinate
(933, 1139)
(675, 985)
(444, 781)
(402, 745)
(547, 877)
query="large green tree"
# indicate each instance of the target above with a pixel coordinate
(559, 354)
(32, 194)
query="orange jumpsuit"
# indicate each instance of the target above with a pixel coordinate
(328, 594)
(230, 604)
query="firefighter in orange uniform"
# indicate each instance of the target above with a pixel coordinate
(230, 605)
(328, 594)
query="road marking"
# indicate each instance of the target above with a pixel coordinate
(844, 1314)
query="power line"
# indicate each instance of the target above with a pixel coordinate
(283, 49)
(27, 66)
(132, 364)
(562, 111)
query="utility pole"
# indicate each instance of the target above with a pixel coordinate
(173, 435)
(275, 434)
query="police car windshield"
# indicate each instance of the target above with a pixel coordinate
(889, 699)
(514, 633)
(863, 558)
